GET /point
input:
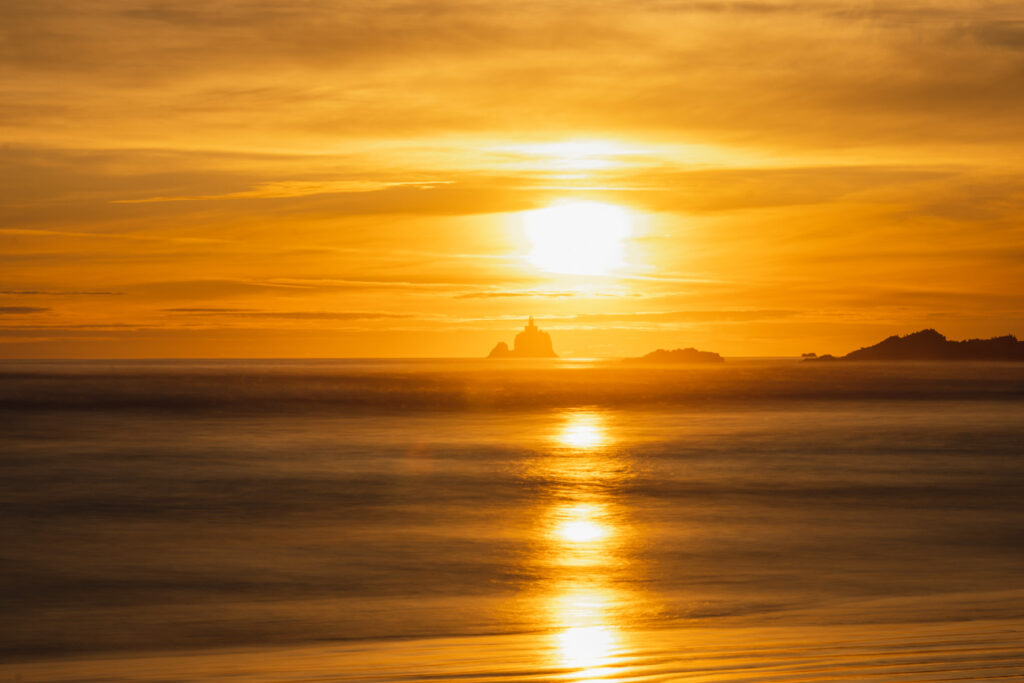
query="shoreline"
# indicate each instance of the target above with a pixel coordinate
(976, 650)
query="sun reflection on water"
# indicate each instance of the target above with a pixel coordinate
(582, 531)
(583, 430)
(582, 551)
(586, 647)
(581, 523)
(588, 640)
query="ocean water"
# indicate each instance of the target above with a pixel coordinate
(442, 520)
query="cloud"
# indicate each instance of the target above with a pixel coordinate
(208, 311)
(502, 295)
(222, 288)
(1005, 33)
(643, 318)
(290, 315)
(252, 74)
(546, 294)
(293, 188)
(184, 290)
(736, 189)
(107, 236)
(21, 310)
(692, 316)
(55, 292)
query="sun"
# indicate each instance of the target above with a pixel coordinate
(580, 238)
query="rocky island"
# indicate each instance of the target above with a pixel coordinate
(930, 345)
(689, 355)
(532, 342)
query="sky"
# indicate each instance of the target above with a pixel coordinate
(313, 178)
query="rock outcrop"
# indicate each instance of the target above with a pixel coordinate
(931, 346)
(690, 355)
(532, 342)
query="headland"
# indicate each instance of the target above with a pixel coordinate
(929, 345)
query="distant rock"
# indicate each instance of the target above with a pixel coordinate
(930, 345)
(500, 350)
(689, 355)
(532, 342)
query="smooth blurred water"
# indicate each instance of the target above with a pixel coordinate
(182, 505)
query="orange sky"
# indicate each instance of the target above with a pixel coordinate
(314, 178)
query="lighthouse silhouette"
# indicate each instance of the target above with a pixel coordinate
(532, 342)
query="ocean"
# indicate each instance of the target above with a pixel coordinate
(393, 520)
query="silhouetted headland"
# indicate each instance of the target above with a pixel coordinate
(931, 345)
(689, 355)
(532, 342)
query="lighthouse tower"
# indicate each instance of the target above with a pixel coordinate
(532, 342)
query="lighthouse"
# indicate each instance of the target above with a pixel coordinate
(532, 342)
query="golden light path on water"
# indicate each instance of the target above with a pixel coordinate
(583, 431)
(582, 536)
(581, 524)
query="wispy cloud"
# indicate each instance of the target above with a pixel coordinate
(546, 294)
(289, 315)
(693, 316)
(125, 236)
(55, 292)
(294, 188)
(21, 310)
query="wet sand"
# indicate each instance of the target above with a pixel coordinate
(971, 651)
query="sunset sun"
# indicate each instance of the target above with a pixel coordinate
(581, 238)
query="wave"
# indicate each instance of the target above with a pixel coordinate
(381, 386)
